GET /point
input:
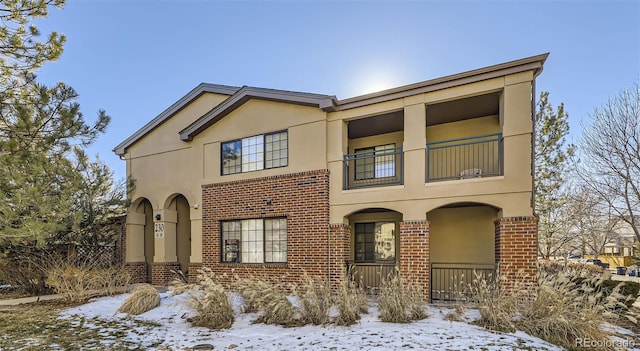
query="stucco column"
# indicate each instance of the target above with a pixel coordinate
(165, 235)
(165, 260)
(414, 146)
(134, 240)
(516, 121)
(414, 253)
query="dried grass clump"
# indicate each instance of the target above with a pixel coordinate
(143, 298)
(497, 308)
(208, 299)
(76, 283)
(269, 299)
(561, 310)
(400, 301)
(351, 301)
(72, 283)
(315, 300)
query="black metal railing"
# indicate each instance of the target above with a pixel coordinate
(452, 281)
(374, 167)
(472, 157)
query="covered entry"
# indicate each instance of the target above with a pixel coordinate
(375, 245)
(462, 248)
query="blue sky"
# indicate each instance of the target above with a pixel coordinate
(136, 58)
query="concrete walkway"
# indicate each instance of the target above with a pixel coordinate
(29, 299)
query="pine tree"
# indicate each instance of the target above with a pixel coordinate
(42, 132)
(552, 159)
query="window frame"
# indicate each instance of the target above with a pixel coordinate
(264, 153)
(371, 150)
(374, 243)
(265, 253)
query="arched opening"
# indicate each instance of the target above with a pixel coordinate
(183, 232)
(462, 246)
(144, 207)
(375, 248)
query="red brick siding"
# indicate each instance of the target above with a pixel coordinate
(303, 198)
(340, 252)
(516, 246)
(138, 271)
(414, 253)
(161, 272)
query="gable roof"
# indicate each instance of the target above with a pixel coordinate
(329, 103)
(195, 93)
(243, 95)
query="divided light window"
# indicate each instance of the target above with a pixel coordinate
(255, 240)
(255, 153)
(376, 162)
(375, 242)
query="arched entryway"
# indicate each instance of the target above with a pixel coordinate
(375, 249)
(140, 236)
(180, 204)
(462, 245)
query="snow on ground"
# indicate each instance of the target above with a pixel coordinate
(175, 333)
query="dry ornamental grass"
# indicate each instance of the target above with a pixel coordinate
(143, 298)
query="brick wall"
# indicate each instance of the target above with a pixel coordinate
(414, 252)
(303, 198)
(340, 252)
(161, 272)
(138, 271)
(516, 240)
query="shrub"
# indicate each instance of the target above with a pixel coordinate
(351, 301)
(208, 299)
(400, 301)
(143, 298)
(496, 307)
(269, 300)
(77, 282)
(315, 300)
(561, 310)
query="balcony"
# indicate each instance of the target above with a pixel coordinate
(463, 158)
(374, 166)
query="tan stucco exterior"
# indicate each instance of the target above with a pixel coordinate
(176, 156)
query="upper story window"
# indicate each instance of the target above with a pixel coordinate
(255, 153)
(375, 162)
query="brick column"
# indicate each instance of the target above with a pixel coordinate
(138, 271)
(161, 272)
(414, 253)
(516, 240)
(340, 235)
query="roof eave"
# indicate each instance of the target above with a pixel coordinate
(534, 63)
(246, 93)
(196, 92)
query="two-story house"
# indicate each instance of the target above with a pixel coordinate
(433, 178)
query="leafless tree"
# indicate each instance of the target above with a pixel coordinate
(610, 147)
(594, 220)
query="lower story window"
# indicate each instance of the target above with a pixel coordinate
(375, 242)
(254, 240)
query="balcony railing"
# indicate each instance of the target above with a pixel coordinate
(472, 157)
(374, 167)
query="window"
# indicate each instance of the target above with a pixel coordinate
(254, 240)
(255, 153)
(376, 162)
(375, 242)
